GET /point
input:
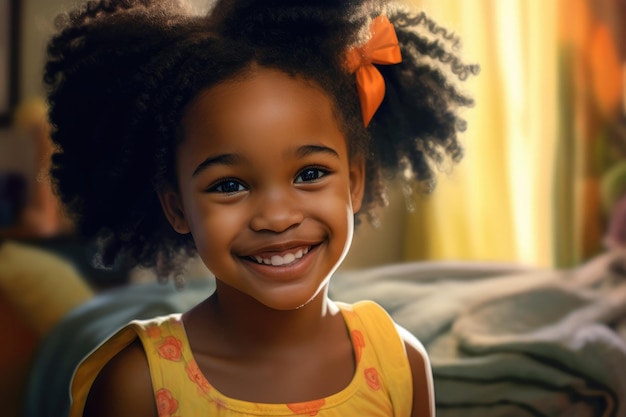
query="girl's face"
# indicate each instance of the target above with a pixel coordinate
(266, 187)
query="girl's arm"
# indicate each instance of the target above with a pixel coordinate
(423, 388)
(123, 388)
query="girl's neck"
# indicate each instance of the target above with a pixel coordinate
(246, 327)
(240, 345)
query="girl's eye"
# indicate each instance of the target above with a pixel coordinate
(227, 187)
(310, 174)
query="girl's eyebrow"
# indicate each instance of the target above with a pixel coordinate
(311, 149)
(224, 159)
(232, 159)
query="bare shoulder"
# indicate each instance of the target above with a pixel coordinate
(123, 387)
(423, 388)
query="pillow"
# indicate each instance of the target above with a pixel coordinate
(40, 286)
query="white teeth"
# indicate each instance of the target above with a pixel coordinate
(277, 260)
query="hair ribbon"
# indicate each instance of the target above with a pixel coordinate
(382, 48)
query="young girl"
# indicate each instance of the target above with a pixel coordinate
(253, 136)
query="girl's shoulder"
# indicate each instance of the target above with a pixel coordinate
(421, 374)
(403, 357)
(123, 387)
(115, 379)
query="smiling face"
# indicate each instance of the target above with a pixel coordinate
(266, 187)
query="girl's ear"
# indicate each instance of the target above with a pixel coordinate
(357, 182)
(172, 206)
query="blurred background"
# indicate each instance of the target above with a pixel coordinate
(545, 148)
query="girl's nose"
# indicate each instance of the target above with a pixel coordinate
(276, 211)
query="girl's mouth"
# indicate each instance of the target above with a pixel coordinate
(279, 260)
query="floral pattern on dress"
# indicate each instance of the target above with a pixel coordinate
(166, 403)
(372, 379)
(171, 349)
(153, 331)
(358, 343)
(194, 373)
(308, 408)
(170, 344)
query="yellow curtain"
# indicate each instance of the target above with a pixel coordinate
(497, 204)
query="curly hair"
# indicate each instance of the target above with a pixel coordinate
(121, 74)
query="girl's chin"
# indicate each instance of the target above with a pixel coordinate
(290, 300)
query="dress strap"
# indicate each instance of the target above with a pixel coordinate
(146, 330)
(391, 352)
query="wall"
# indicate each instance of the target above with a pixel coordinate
(37, 25)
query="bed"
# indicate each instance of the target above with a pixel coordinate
(504, 340)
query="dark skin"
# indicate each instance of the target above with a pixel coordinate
(278, 132)
(249, 355)
(241, 370)
(244, 358)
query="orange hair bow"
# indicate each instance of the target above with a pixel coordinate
(382, 48)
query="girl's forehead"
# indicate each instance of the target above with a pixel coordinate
(261, 84)
(266, 105)
(263, 97)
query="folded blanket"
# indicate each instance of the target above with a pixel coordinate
(42, 287)
(536, 342)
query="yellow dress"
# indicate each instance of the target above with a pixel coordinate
(381, 385)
